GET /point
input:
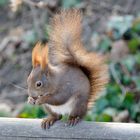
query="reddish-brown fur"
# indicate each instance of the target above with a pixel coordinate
(40, 55)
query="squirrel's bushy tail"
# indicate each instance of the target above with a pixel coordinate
(66, 39)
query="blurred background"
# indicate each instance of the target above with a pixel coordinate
(111, 27)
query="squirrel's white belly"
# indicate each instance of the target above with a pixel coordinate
(64, 108)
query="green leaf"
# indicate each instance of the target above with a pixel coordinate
(100, 104)
(110, 111)
(133, 45)
(137, 57)
(115, 100)
(90, 117)
(128, 100)
(114, 95)
(126, 80)
(129, 62)
(104, 118)
(136, 26)
(136, 79)
(69, 3)
(105, 44)
(113, 89)
(135, 111)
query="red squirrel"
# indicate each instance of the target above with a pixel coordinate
(66, 78)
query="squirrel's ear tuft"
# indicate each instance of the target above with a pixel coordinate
(36, 55)
(40, 56)
(44, 57)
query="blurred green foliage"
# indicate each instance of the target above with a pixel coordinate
(5, 113)
(105, 44)
(30, 111)
(69, 3)
(3, 2)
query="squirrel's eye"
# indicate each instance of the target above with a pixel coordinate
(39, 84)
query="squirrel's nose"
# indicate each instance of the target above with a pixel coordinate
(32, 94)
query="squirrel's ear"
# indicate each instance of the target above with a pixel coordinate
(44, 57)
(36, 55)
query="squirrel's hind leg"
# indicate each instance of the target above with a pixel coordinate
(78, 112)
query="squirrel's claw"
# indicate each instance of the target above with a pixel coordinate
(46, 123)
(38, 102)
(73, 121)
(31, 100)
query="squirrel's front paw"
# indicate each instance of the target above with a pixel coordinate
(38, 101)
(31, 100)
